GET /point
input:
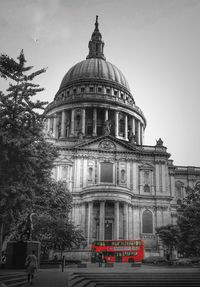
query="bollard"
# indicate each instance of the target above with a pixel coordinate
(63, 263)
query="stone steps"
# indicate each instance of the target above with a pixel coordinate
(79, 279)
(13, 279)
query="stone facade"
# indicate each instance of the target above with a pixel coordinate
(121, 188)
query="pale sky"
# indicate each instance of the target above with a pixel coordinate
(155, 43)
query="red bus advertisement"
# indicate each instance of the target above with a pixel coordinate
(118, 250)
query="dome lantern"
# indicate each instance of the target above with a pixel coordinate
(96, 44)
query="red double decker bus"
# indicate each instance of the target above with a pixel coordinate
(118, 250)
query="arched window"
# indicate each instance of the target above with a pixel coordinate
(147, 222)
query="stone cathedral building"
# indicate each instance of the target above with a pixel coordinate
(121, 188)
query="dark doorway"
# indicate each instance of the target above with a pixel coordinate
(108, 230)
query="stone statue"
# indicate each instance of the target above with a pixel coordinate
(26, 228)
(106, 127)
(29, 226)
(50, 133)
(67, 128)
(159, 142)
(80, 135)
(132, 137)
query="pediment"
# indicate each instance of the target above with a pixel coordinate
(146, 166)
(64, 160)
(107, 143)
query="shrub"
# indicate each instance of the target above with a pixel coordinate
(155, 260)
(195, 260)
(183, 261)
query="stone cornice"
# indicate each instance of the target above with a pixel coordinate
(132, 149)
(153, 197)
(187, 170)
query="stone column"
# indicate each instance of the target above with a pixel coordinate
(51, 124)
(136, 222)
(133, 125)
(157, 178)
(130, 222)
(141, 133)
(126, 128)
(116, 123)
(106, 114)
(72, 123)
(159, 215)
(63, 124)
(138, 134)
(48, 124)
(125, 221)
(94, 133)
(55, 126)
(102, 220)
(83, 122)
(90, 223)
(141, 175)
(116, 231)
(172, 183)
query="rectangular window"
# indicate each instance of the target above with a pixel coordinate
(115, 93)
(107, 91)
(74, 90)
(91, 89)
(107, 172)
(82, 90)
(99, 90)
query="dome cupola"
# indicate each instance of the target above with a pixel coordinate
(96, 44)
(94, 96)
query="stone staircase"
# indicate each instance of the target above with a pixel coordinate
(84, 279)
(13, 278)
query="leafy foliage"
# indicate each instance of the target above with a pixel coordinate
(170, 236)
(185, 236)
(27, 159)
(56, 233)
(188, 223)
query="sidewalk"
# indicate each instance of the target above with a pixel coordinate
(50, 278)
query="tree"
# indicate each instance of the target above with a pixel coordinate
(51, 223)
(185, 236)
(170, 236)
(27, 158)
(188, 222)
(56, 233)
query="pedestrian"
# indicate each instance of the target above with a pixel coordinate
(31, 266)
(100, 259)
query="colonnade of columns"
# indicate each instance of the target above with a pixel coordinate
(62, 124)
(125, 223)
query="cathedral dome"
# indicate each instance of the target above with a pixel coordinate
(95, 69)
(92, 94)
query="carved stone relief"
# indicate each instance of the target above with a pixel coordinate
(107, 145)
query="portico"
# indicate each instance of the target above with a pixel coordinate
(107, 220)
